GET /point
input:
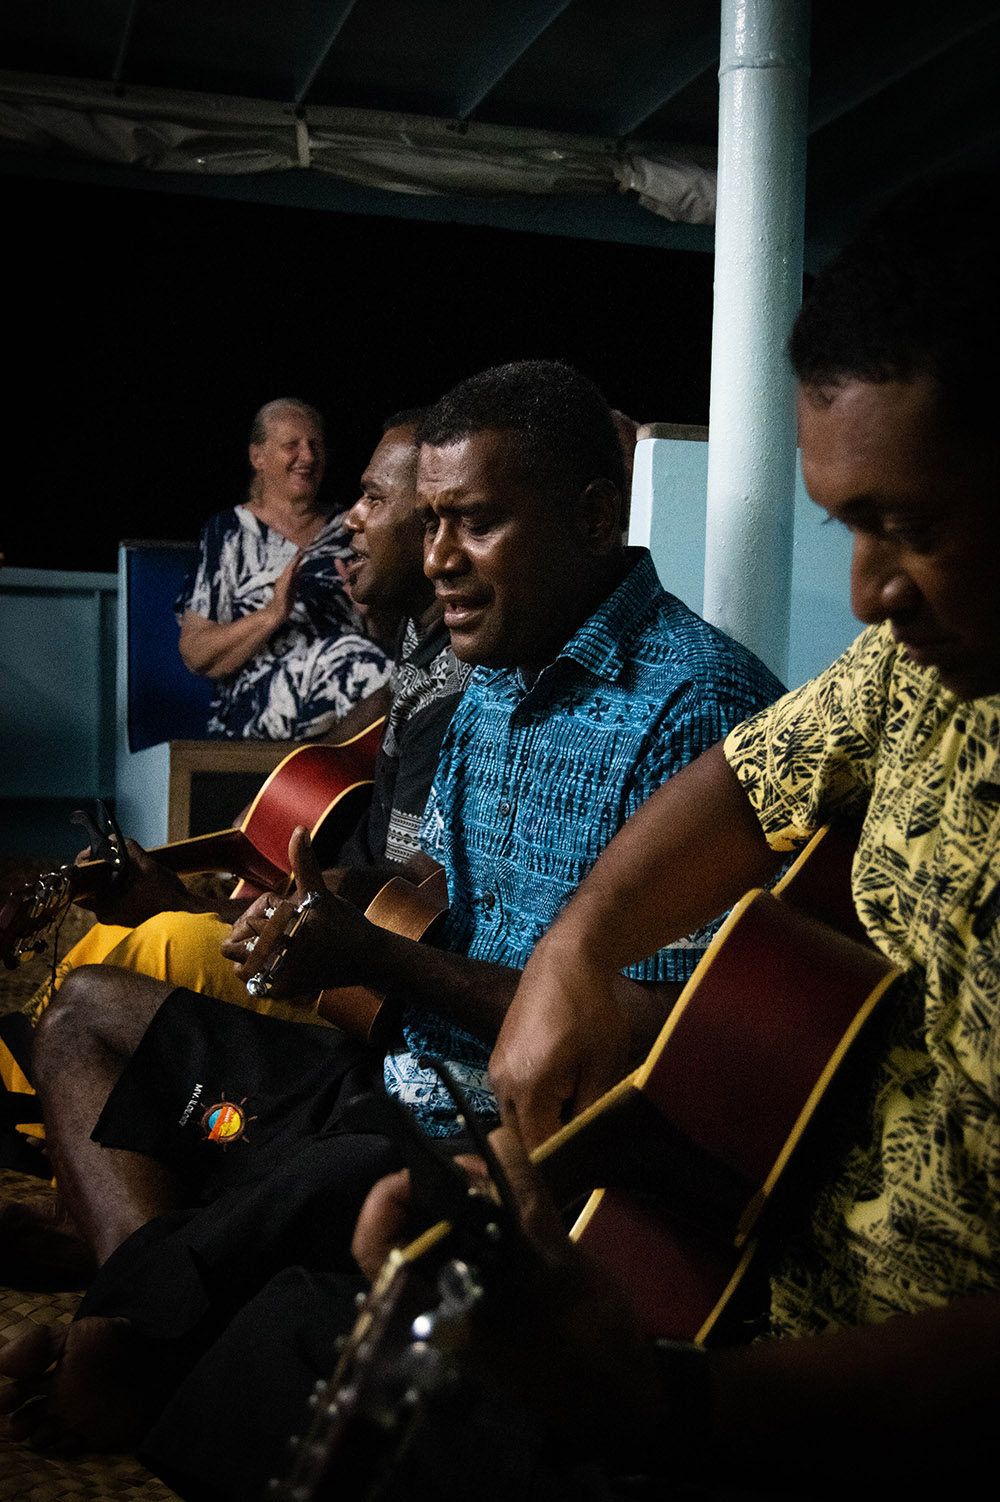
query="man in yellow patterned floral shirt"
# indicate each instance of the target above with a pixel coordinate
(894, 352)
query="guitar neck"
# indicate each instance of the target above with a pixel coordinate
(318, 785)
(224, 850)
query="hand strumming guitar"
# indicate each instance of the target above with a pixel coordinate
(559, 1340)
(332, 943)
(565, 1040)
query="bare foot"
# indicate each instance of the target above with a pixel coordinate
(83, 1386)
(40, 1247)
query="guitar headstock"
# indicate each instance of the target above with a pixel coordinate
(28, 913)
(396, 1368)
(275, 938)
(400, 1364)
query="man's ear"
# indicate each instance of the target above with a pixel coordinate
(601, 517)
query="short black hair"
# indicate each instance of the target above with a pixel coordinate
(914, 293)
(409, 417)
(564, 432)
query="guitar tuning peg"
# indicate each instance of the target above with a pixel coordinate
(107, 843)
(97, 839)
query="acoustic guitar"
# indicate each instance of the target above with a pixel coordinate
(410, 909)
(689, 1149)
(323, 786)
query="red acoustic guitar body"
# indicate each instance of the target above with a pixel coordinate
(723, 1100)
(325, 787)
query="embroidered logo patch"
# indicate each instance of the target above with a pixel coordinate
(225, 1122)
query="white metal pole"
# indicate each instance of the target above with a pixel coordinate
(763, 93)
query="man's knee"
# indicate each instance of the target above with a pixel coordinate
(97, 1009)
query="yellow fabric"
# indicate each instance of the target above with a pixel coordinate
(182, 948)
(12, 1076)
(95, 946)
(16, 1082)
(912, 1219)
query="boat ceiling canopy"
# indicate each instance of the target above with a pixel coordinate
(573, 117)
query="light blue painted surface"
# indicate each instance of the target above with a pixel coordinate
(763, 107)
(57, 665)
(669, 488)
(669, 485)
(822, 624)
(141, 799)
(57, 659)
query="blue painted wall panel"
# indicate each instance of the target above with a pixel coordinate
(668, 515)
(57, 659)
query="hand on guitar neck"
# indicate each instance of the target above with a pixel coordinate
(559, 1339)
(323, 786)
(146, 887)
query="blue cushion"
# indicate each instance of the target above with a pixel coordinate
(166, 702)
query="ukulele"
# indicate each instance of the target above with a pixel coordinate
(409, 909)
(323, 786)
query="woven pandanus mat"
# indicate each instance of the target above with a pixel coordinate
(28, 1476)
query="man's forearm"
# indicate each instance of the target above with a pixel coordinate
(915, 1394)
(477, 994)
(473, 993)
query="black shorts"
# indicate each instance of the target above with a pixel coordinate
(275, 1131)
(221, 1094)
(225, 1434)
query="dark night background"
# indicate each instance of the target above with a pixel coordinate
(144, 329)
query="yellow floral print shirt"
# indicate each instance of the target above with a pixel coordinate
(911, 1217)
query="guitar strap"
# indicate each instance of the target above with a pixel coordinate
(440, 1189)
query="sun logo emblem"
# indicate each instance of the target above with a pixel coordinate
(225, 1122)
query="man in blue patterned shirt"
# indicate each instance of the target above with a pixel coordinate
(592, 687)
